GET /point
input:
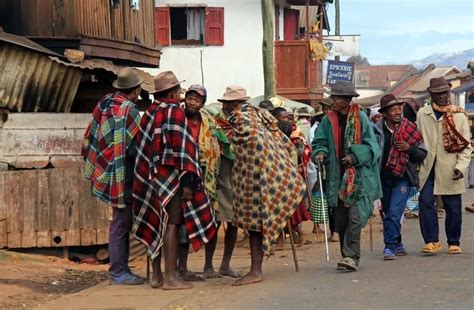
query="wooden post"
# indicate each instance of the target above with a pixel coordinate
(338, 22)
(267, 48)
(308, 26)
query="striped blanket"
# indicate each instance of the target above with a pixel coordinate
(166, 151)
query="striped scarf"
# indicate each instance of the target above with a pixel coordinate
(353, 135)
(453, 141)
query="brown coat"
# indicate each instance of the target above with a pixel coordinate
(432, 131)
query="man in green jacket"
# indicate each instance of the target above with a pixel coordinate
(346, 143)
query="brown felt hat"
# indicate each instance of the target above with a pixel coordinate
(127, 78)
(164, 81)
(439, 85)
(343, 89)
(234, 93)
(389, 100)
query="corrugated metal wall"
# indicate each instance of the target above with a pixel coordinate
(97, 18)
(32, 82)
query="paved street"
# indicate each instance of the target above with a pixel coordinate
(412, 282)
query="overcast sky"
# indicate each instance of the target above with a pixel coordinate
(406, 30)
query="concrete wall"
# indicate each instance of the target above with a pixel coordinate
(238, 61)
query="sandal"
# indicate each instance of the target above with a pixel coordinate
(347, 263)
(454, 249)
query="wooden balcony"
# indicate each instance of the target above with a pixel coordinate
(297, 76)
(118, 33)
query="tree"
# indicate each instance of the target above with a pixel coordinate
(267, 48)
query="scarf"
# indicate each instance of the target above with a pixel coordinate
(397, 160)
(453, 141)
(224, 134)
(352, 135)
(113, 125)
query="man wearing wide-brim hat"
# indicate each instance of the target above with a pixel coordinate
(109, 150)
(402, 152)
(168, 190)
(446, 134)
(345, 142)
(266, 185)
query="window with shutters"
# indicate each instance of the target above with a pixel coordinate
(189, 25)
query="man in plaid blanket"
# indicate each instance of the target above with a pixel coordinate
(267, 186)
(168, 188)
(109, 151)
(402, 152)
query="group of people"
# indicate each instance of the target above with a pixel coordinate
(174, 174)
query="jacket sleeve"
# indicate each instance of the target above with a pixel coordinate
(367, 153)
(320, 143)
(464, 158)
(417, 153)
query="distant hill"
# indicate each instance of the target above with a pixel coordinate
(459, 59)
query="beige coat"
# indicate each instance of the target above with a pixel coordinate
(432, 131)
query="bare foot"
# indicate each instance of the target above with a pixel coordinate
(249, 278)
(156, 280)
(175, 284)
(228, 272)
(334, 237)
(304, 241)
(211, 274)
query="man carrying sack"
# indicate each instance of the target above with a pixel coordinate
(267, 186)
(109, 151)
(345, 141)
(446, 134)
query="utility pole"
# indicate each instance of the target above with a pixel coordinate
(338, 22)
(267, 48)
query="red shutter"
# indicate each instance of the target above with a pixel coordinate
(214, 26)
(162, 24)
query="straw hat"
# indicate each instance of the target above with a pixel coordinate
(127, 78)
(234, 93)
(164, 81)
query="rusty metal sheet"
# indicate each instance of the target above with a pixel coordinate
(24, 42)
(99, 64)
(31, 82)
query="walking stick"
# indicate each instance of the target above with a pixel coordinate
(371, 234)
(324, 209)
(293, 248)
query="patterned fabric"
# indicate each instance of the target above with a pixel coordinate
(453, 141)
(397, 160)
(319, 209)
(224, 134)
(267, 186)
(112, 128)
(209, 154)
(303, 157)
(353, 135)
(166, 151)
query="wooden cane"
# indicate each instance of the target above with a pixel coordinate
(371, 235)
(293, 247)
(147, 268)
